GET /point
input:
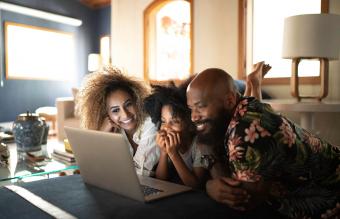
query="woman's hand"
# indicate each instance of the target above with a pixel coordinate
(172, 143)
(108, 125)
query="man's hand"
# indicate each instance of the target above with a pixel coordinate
(228, 191)
(108, 125)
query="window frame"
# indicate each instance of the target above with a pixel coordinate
(242, 48)
(156, 5)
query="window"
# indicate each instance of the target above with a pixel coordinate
(262, 28)
(30, 53)
(167, 40)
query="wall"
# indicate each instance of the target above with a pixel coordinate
(214, 44)
(17, 96)
(104, 21)
(127, 35)
(327, 124)
(103, 25)
(283, 91)
(215, 35)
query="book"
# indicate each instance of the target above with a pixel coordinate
(63, 160)
(63, 153)
(6, 138)
(60, 157)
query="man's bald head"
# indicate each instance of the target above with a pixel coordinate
(213, 82)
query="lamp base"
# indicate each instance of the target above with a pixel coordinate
(294, 81)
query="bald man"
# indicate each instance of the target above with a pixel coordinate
(268, 158)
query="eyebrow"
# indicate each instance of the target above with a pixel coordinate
(197, 103)
(116, 106)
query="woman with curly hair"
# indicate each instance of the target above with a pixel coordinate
(113, 102)
(180, 157)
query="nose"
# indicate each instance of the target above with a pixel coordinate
(165, 127)
(195, 116)
(124, 113)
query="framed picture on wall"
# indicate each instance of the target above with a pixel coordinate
(38, 53)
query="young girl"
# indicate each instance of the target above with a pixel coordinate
(112, 102)
(180, 157)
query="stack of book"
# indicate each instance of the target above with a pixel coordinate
(6, 137)
(64, 157)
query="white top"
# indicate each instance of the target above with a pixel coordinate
(147, 154)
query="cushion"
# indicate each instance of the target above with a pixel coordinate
(76, 105)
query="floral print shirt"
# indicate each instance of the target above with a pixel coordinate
(303, 169)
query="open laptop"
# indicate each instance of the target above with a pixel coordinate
(105, 161)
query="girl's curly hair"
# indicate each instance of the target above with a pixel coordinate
(173, 96)
(95, 89)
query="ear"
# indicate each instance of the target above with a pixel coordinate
(229, 100)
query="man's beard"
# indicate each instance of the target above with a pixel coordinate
(217, 127)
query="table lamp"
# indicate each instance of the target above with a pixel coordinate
(93, 62)
(311, 36)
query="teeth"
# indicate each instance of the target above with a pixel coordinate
(200, 126)
(126, 121)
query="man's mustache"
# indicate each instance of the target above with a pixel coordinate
(200, 122)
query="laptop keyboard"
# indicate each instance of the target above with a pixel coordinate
(147, 190)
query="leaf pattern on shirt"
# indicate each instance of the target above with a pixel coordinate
(304, 169)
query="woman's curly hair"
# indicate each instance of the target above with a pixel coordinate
(95, 89)
(173, 96)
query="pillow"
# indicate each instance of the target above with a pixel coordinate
(76, 107)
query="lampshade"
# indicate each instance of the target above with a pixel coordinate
(105, 50)
(311, 36)
(93, 62)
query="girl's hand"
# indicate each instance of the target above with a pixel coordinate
(160, 140)
(172, 143)
(108, 125)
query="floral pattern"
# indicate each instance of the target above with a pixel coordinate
(246, 175)
(241, 108)
(313, 141)
(252, 135)
(262, 144)
(287, 131)
(235, 152)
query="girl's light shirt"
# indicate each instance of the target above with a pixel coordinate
(192, 157)
(147, 153)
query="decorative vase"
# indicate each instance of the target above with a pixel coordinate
(28, 130)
